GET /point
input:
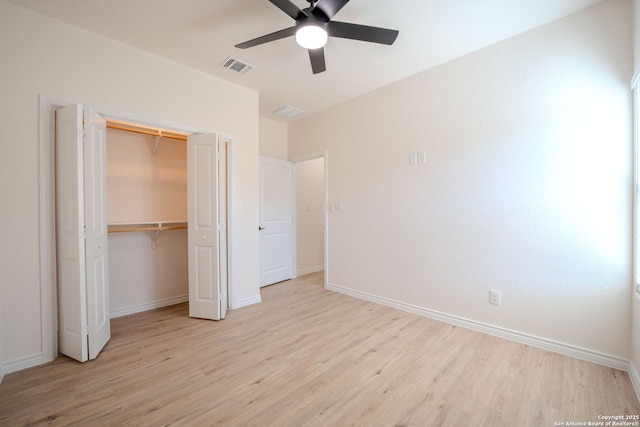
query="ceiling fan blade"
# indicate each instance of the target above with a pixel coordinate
(317, 60)
(362, 32)
(289, 8)
(330, 7)
(287, 32)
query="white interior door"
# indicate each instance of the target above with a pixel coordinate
(83, 315)
(276, 220)
(205, 296)
(97, 266)
(71, 277)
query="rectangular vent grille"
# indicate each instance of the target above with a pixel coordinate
(289, 111)
(236, 65)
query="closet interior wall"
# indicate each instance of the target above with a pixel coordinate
(146, 186)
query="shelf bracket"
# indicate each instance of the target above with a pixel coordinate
(154, 150)
(153, 235)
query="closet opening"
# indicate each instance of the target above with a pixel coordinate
(146, 214)
(168, 208)
(146, 208)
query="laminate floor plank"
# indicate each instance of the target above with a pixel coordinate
(308, 356)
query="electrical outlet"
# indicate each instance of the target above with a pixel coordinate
(495, 297)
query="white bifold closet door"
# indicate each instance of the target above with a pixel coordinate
(207, 199)
(81, 242)
(81, 230)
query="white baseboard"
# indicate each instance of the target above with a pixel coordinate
(148, 306)
(635, 379)
(172, 301)
(521, 337)
(24, 363)
(310, 270)
(247, 301)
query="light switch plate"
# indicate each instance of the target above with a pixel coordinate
(495, 297)
(421, 157)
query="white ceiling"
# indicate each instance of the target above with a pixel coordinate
(202, 34)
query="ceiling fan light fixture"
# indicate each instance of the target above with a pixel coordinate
(311, 36)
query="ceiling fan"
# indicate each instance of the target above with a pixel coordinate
(314, 25)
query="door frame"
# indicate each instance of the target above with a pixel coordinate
(312, 156)
(46, 211)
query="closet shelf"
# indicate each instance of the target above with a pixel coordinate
(153, 228)
(146, 226)
(147, 130)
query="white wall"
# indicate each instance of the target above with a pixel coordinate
(636, 35)
(142, 190)
(635, 326)
(141, 277)
(526, 187)
(41, 56)
(310, 208)
(273, 138)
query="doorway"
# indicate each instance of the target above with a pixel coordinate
(310, 194)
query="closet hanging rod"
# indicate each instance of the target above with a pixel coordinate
(114, 124)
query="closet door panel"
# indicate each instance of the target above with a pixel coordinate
(95, 153)
(205, 275)
(70, 249)
(202, 182)
(223, 236)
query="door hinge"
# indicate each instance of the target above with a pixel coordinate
(83, 135)
(85, 329)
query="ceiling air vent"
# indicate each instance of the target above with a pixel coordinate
(288, 111)
(236, 65)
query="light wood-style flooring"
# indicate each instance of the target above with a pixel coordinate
(308, 356)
